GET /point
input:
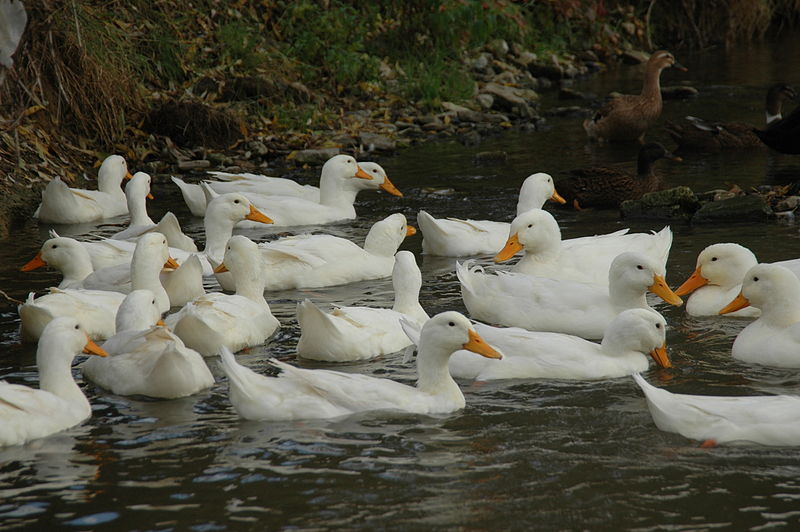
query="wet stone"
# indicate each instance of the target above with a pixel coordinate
(376, 142)
(674, 204)
(751, 208)
(315, 156)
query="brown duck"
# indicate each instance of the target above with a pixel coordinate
(607, 187)
(701, 135)
(628, 117)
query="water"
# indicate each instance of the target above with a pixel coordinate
(525, 454)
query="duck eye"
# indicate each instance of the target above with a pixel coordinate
(153, 302)
(530, 225)
(639, 267)
(77, 327)
(55, 246)
(452, 324)
(658, 325)
(713, 259)
(236, 201)
(755, 279)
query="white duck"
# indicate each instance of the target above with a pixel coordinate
(764, 420)
(137, 192)
(555, 305)
(72, 259)
(340, 181)
(147, 359)
(586, 259)
(63, 205)
(627, 341)
(227, 210)
(452, 237)
(718, 279)
(26, 413)
(235, 321)
(359, 333)
(774, 338)
(311, 261)
(95, 310)
(298, 393)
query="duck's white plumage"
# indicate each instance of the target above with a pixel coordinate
(234, 321)
(587, 259)
(555, 305)
(358, 333)
(717, 279)
(764, 420)
(146, 359)
(630, 338)
(311, 261)
(72, 259)
(63, 205)
(95, 310)
(774, 338)
(298, 393)
(453, 237)
(28, 414)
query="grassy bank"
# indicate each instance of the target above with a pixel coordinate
(154, 79)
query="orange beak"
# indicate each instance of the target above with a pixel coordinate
(161, 323)
(128, 176)
(476, 344)
(659, 354)
(258, 216)
(360, 173)
(411, 230)
(660, 288)
(150, 196)
(695, 281)
(172, 263)
(510, 249)
(390, 188)
(737, 304)
(557, 198)
(221, 268)
(92, 348)
(35, 262)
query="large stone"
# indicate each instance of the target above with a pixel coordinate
(376, 142)
(634, 57)
(676, 204)
(486, 101)
(750, 208)
(314, 156)
(462, 113)
(498, 47)
(515, 100)
(541, 70)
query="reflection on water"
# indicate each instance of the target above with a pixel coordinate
(529, 454)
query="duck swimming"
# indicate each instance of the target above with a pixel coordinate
(607, 187)
(628, 117)
(297, 393)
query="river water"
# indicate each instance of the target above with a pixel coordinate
(527, 454)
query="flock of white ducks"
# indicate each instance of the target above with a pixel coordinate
(557, 297)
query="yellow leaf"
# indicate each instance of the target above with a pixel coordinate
(33, 109)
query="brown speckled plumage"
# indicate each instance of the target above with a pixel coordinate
(607, 187)
(628, 117)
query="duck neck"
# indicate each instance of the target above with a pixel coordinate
(546, 252)
(434, 375)
(406, 300)
(614, 346)
(137, 207)
(218, 232)
(76, 269)
(110, 182)
(644, 166)
(55, 372)
(333, 193)
(145, 275)
(782, 311)
(250, 284)
(651, 88)
(623, 296)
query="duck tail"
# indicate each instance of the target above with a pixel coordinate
(193, 196)
(431, 231)
(313, 321)
(466, 272)
(236, 373)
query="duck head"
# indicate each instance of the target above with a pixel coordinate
(767, 286)
(385, 236)
(379, 178)
(535, 230)
(663, 59)
(138, 311)
(638, 330)
(535, 191)
(632, 274)
(723, 264)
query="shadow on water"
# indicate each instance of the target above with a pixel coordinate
(548, 455)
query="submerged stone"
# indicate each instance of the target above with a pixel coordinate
(750, 208)
(677, 204)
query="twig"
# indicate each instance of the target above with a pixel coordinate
(11, 299)
(647, 25)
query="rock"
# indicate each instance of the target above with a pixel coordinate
(573, 111)
(525, 58)
(751, 208)
(194, 165)
(678, 92)
(486, 101)
(490, 157)
(527, 81)
(634, 57)
(505, 77)
(344, 140)
(541, 70)
(678, 204)
(258, 148)
(376, 142)
(514, 100)
(462, 113)
(471, 138)
(314, 156)
(481, 63)
(498, 47)
(565, 93)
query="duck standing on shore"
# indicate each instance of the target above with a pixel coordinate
(628, 117)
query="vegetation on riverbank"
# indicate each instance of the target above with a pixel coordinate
(163, 81)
